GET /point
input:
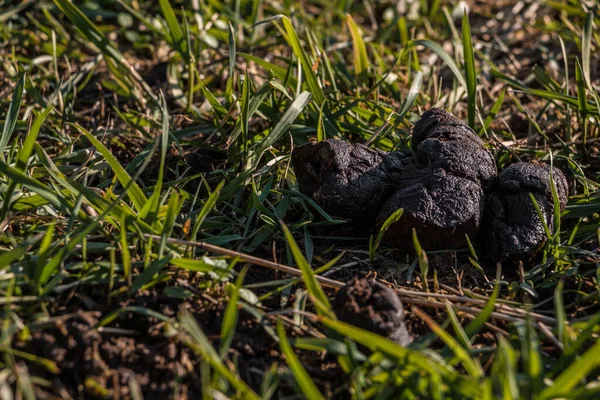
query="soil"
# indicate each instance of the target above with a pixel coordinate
(134, 350)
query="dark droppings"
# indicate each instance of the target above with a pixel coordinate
(372, 306)
(441, 207)
(512, 227)
(345, 180)
(447, 185)
(440, 140)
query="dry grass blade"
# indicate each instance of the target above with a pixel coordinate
(247, 258)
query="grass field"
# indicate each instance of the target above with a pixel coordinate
(145, 155)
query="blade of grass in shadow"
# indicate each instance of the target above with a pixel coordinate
(471, 365)
(314, 289)
(94, 35)
(304, 381)
(396, 215)
(12, 116)
(125, 253)
(230, 317)
(150, 209)
(24, 154)
(169, 222)
(206, 209)
(422, 258)
(136, 195)
(199, 343)
(244, 117)
(574, 374)
(56, 199)
(582, 99)
(476, 324)
(493, 112)
(459, 332)
(503, 369)
(559, 310)
(586, 45)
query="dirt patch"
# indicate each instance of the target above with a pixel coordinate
(137, 352)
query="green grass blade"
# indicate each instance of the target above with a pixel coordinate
(436, 48)
(244, 115)
(573, 375)
(359, 51)
(175, 32)
(286, 120)
(204, 264)
(459, 332)
(172, 212)
(309, 74)
(308, 275)
(559, 310)
(493, 111)
(56, 199)
(230, 317)
(125, 253)
(95, 35)
(396, 215)
(586, 45)
(136, 195)
(413, 93)
(151, 207)
(12, 116)
(422, 258)
(475, 326)
(304, 381)
(470, 71)
(321, 135)
(24, 154)
(471, 365)
(200, 344)
(206, 209)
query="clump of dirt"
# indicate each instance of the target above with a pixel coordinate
(443, 185)
(96, 363)
(372, 306)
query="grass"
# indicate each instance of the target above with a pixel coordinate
(154, 244)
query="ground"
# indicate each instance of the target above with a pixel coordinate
(145, 154)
